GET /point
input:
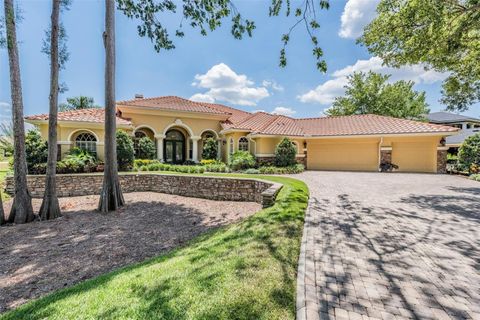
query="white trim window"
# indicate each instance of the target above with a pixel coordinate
(243, 144)
(87, 141)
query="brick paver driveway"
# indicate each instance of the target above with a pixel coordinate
(390, 246)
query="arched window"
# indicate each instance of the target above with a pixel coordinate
(207, 135)
(86, 141)
(231, 146)
(243, 144)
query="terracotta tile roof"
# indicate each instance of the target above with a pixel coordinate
(236, 115)
(95, 115)
(176, 103)
(366, 125)
(266, 123)
(283, 125)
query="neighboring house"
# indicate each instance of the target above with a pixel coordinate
(468, 125)
(179, 127)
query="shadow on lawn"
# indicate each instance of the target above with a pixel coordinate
(405, 262)
(242, 253)
(46, 256)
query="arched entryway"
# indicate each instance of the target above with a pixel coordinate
(174, 146)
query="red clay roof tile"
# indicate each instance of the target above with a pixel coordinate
(174, 103)
(266, 123)
(95, 115)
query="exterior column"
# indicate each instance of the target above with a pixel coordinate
(219, 149)
(195, 148)
(160, 138)
(442, 152)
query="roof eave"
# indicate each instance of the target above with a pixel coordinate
(66, 123)
(223, 116)
(374, 135)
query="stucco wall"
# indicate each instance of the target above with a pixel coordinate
(160, 122)
(266, 146)
(411, 154)
(215, 188)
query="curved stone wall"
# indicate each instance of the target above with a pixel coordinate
(214, 188)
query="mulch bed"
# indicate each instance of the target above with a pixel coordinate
(40, 257)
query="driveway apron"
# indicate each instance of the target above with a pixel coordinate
(390, 246)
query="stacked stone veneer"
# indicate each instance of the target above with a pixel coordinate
(442, 161)
(214, 188)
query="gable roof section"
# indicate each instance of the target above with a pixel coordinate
(176, 104)
(368, 124)
(94, 115)
(448, 117)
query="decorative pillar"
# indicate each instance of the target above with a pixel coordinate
(160, 138)
(195, 148)
(219, 149)
(442, 159)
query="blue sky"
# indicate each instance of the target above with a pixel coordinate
(243, 74)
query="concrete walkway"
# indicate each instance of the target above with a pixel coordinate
(390, 246)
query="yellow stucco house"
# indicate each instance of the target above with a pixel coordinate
(179, 126)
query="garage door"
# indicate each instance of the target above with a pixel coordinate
(414, 156)
(354, 156)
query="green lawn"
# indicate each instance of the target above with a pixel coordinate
(244, 271)
(3, 174)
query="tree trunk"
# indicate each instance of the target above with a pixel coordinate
(22, 210)
(50, 208)
(111, 196)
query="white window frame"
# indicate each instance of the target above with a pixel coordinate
(242, 142)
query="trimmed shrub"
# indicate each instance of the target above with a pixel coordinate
(77, 161)
(137, 163)
(218, 167)
(209, 149)
(125, 151)
(469, 154)
(252, 171)
(146, 149)
(285, 153)
(36, 151)
(189, 163)
(297, 168)
(242, 160)
(210, 161)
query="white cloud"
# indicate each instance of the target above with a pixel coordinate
(356, 15)
(224, 84)
(326, 92)
(284, 111)
(415, 73)
(272, 84)
(200, 97)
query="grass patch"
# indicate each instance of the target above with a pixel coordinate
(3, 174)
(243, 271)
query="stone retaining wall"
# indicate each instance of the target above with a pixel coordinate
(214, 188)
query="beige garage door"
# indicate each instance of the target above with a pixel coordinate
(354, 156)
(414, 156)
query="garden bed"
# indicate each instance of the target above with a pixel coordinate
(41, 257)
